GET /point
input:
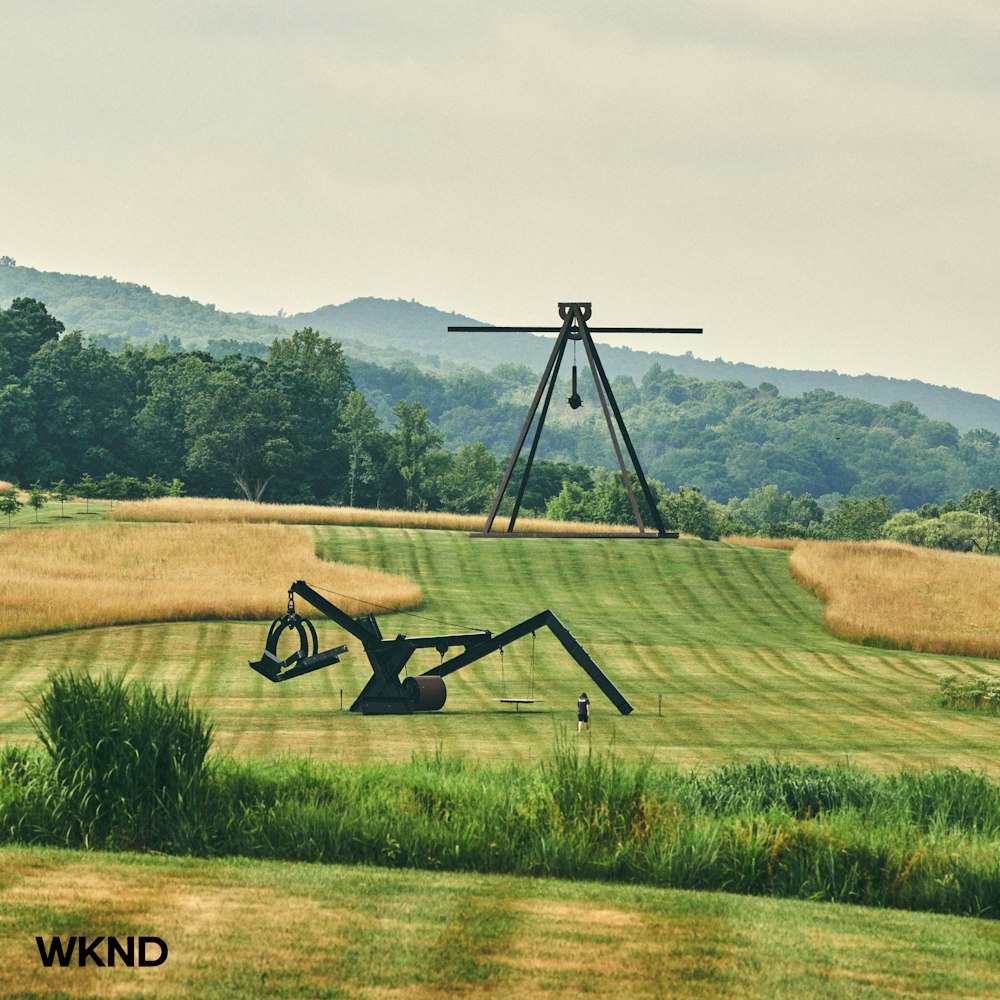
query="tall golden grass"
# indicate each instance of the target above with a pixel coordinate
(904, 597)
(245, 511)
(761, 543)
(116, 574)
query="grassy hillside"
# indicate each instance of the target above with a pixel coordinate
(736, 648)
(395, 325)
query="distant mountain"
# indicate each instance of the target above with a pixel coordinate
(394, 324)
(105, 306)
(388, 331)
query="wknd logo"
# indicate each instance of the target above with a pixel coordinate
(144, 951)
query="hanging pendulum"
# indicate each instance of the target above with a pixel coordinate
(574, 401)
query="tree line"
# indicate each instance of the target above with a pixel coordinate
(297, 421)
(291, 426)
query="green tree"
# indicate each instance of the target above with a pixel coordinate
(132, 488)
(414, 441)
(692, 513)
(178, 387)
(242, 431)
(858, 519)
(110, 488)
(961, 531)
(19, 440)
(154, 487)
(10, 503)
(572, 503)
(985, 503)
(61, 493)
(359, 432)
(84, 402)
(37, 499)
(913, 528)
(87, 489)
(24, 328)
(311, 373)
(470, 481)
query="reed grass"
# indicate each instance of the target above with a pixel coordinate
(114, 574)
(127, 764)
(126, 767)
(897, 596)
(197, 509)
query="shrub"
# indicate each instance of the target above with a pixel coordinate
(971, 693)
(128, 764)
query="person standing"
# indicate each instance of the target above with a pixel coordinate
(582, 712)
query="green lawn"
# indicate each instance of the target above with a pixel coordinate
(735, 647)
(266, 929)
(53, 514)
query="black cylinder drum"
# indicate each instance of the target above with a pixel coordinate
(425, 694)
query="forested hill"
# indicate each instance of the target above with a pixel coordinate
(386, 331)
(415, 327)
(105, 307)
(307, 423)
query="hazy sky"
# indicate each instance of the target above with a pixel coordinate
(814, 184)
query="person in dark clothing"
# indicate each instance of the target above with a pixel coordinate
(582, 712)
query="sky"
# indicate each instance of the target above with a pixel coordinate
(816, 185)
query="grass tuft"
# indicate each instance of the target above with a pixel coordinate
(125, 765)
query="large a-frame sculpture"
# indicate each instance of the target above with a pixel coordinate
(575, 317)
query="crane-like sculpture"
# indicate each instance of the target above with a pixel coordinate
(386, 693)
(575, 316)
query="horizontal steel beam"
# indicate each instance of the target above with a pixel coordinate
(558, 329)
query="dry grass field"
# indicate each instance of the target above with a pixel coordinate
(195, 509)
(785, 544)
(116, 574)
(903, 597)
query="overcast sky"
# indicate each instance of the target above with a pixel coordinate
(814, 184)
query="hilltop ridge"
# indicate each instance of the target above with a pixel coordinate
(388, 331)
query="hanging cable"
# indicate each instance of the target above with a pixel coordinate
(531, 682)
(398, 611)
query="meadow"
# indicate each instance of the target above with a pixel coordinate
(272, 929)
(107, 574)
(746, 670)
(247, 512)
(904, 597)
(737, 650)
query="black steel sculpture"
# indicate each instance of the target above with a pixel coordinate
(385, 693)
(574, 316)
